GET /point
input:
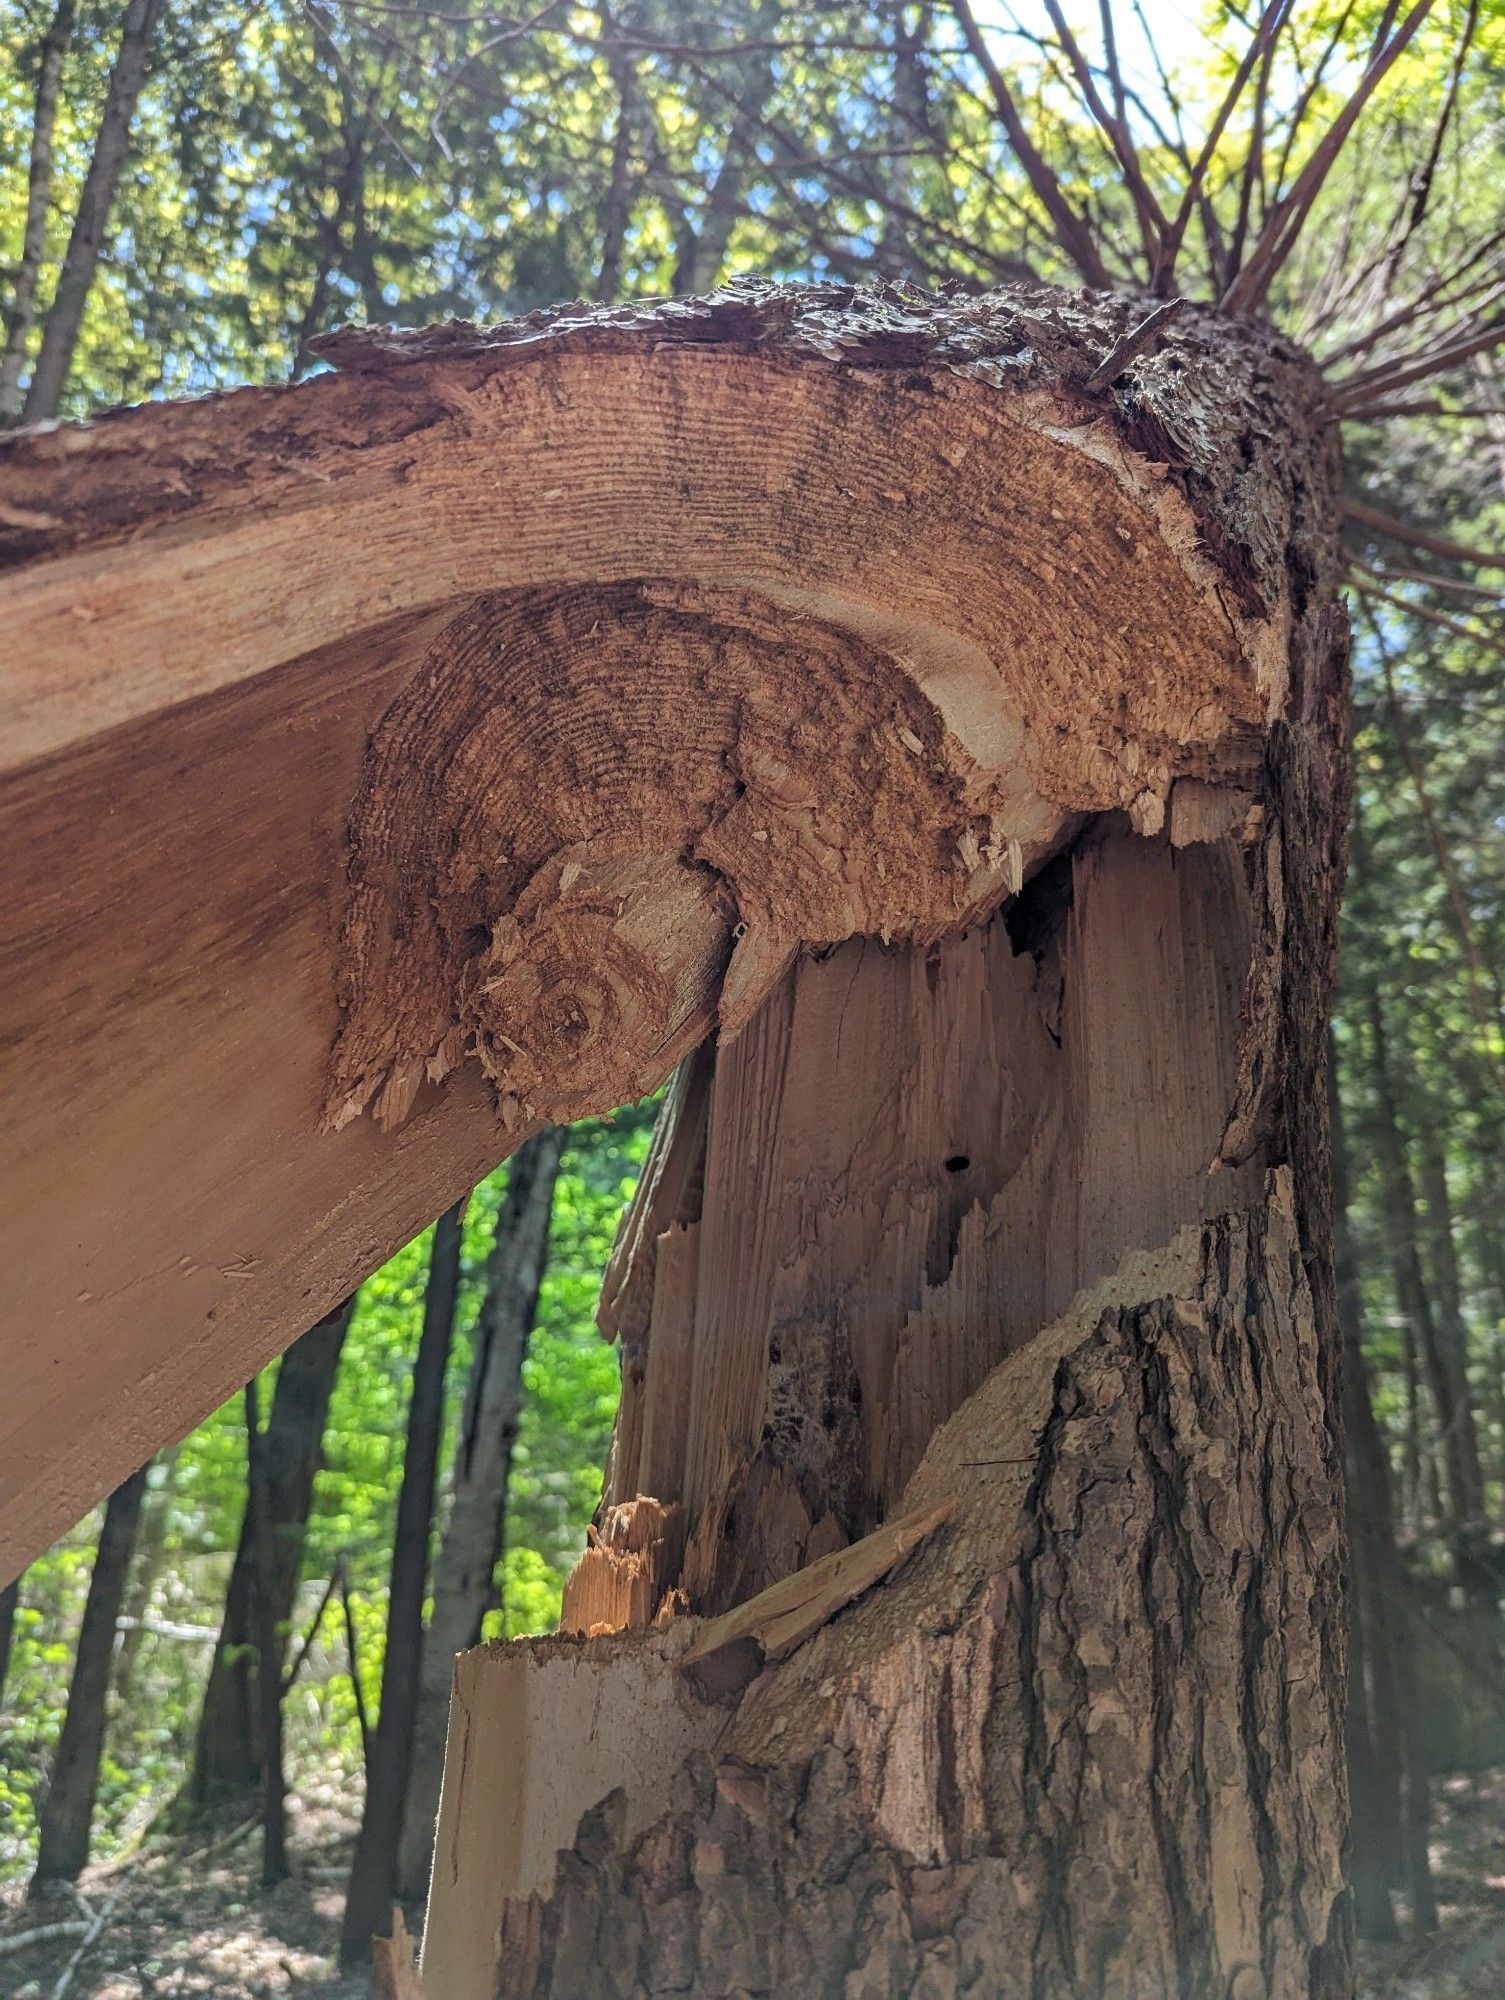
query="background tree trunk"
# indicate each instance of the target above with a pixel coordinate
(151, 1547)
(470, 1545)
(267, 1639)
(63, 1819)
(60, 335)
(10, 1599)
(1387, 1765)
(227, 1748)
(373, 1874)
(23, 299)
(1404, 1224)
(1447, 1290)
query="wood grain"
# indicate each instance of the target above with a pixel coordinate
(215, 614)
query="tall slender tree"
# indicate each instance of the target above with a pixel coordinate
(67, 1810)
(227, 1747)
(21, 315)
(49, 376)
(470, 1546)
(10, 1599)
(1387, 1769)
(265, 1656)
(373, 1873)
(1414, 1300)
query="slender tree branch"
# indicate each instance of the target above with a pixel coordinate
(1282, 229)
(1381, 523)
(1073, 231)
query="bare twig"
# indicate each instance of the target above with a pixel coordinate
(86, 1943)
(355, 1669)
(43, 1934)
(1355, 390)
(1073, 231)
(1124, 353)
(1381, 523)
(1428, 616)
(1282, 228)
(1391, 573)
(310, 1635)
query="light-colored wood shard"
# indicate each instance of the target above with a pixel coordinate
(788, 1612)
(629, 1562)
(541, 1732)
(394, 1967)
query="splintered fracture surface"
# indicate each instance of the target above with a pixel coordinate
(462, 736)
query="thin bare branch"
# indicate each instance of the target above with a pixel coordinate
(1353, 391)
(1282, 228)
(1459, 586)
(1484, 292)
(1262, 45)
(1152, 221)
(1381, 523)
(1074, 234)
(1440, 619)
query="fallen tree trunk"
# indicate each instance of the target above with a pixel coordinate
(954, 728)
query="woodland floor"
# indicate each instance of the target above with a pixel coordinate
(190, 1918)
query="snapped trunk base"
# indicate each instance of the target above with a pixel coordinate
(1083, 1743)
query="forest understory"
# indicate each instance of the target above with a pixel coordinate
(189, 1916)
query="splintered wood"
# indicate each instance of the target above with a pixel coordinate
(911, 1162)
(394, 1965)
(486, 722)
(789, 1612)
(630, 1561)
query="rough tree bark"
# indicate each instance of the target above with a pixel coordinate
(946, 711)
(373, 1873)
(21, 316)
(470, 1545)
(65, 316)
(67, 1808)
(227, 1747)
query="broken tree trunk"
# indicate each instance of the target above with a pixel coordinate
(486, 721)
(962, 745)
(1089, 1741)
